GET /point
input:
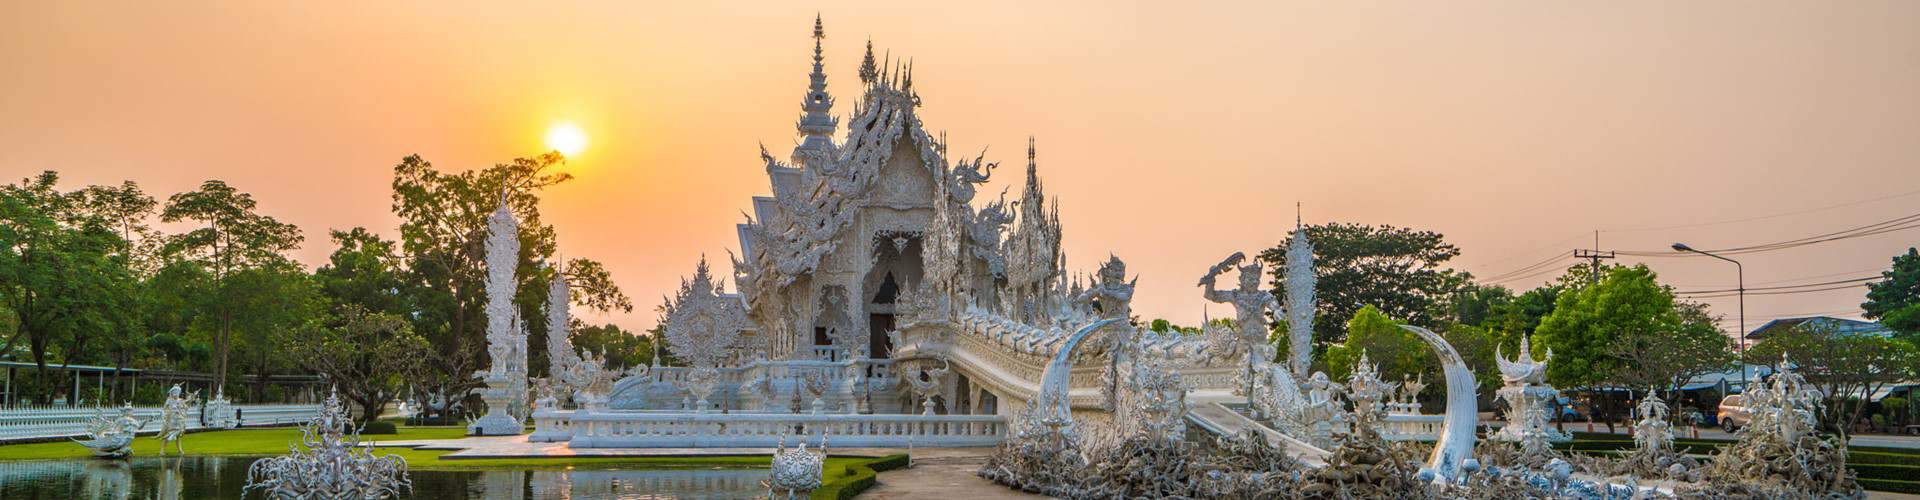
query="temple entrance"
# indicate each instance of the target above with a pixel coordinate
(896, 269)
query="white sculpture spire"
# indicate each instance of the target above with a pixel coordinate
(506, 376)
(1300, 300)
(868, 71)
(816, 125)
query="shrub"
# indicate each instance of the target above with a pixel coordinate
(379, 427)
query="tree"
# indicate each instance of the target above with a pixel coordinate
(126, 209)
(366, 271)
(623, 348)
(443, 225)
(1666, 360)
(1586, 324)
(58, 272)
(267, 302)
(1397, 270)
(1895, 300)
(233, 238)
(1845, 368)
(1394, 350)
(370, 356)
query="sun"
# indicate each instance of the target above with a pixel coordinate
(566, 138)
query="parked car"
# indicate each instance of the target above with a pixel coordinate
(1732, 414)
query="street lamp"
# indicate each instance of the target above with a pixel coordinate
(1742, 287)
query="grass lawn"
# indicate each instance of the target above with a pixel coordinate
(841, 474)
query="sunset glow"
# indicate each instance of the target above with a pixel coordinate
(566, 138)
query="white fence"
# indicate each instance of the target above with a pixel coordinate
(45, 421)
(622, 429)
(1411, 427)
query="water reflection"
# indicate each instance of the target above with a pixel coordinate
(223, 477)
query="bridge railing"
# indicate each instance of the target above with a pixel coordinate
(624, 429)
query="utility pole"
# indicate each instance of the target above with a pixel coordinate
(1595, 255)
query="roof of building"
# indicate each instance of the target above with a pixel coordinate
(1827, 323)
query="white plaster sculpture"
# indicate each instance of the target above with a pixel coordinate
(174, 416)
(1250, 307)
(562, 361)
(702, 328)
(506, 374)
(1527, 396)
(330, 462)
(1455, 443)
(1301, 305)
(109, 436)
(797, 471)
(926, 383)
(219, 411)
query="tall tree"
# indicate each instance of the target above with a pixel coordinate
(1394, 350)
(443, 225)
(364, 270)
(623, 348)
(126, 208)
(232, 238)
(1895, 300)
(1397, 270)
(267, 302)
(58, 271)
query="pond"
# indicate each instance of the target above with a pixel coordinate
(223, 477)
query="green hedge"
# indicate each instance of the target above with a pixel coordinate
(1891, 485)
(860, 476)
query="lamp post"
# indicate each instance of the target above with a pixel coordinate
(1741, 272)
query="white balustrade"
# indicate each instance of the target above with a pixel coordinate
(1411, 427)
(51, 421)
(631, 429)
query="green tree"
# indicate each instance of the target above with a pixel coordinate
(623, 349)
(267, 302)
(1477, 305)
(364, 270)
(1394, 350)
(1397, 270)
(370, 356)
(1895, 300)
(59, 272)
(232, 238)
(1689, 346)
(443, 227)
(126, 209)
(1845, 368)
(1586, 324)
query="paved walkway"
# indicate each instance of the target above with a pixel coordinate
(939, 474)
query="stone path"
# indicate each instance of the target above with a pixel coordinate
(940, 474)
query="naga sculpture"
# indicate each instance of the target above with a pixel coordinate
(110, 437)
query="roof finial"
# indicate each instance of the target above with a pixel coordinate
(1296, 214)
(817, 124)
(867, 70)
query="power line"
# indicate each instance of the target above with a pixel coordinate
(1779, 292)
(1801, 278)
(1763, 217)
(1782, 287)
(1882, 227)
(1529, 270)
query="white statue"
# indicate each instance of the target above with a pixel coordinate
(174, 418)
(1301, 305)
(330, 463)
(797, 470)
(506, 375)
(219, 411)
(111, 437)
(702, 328)
(1250, 307)
(1527, 396)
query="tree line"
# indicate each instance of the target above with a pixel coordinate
(86, 278)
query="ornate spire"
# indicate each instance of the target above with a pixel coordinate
(868, 71)
(816, 125)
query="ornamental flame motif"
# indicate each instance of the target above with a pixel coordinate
(702, 326)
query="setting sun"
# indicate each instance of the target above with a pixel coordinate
(567, 139)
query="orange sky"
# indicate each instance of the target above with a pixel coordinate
(1172, 136)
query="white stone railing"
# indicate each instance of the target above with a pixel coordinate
(626, 429)
(41, 422)
(874, 375)
(1411, 427)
